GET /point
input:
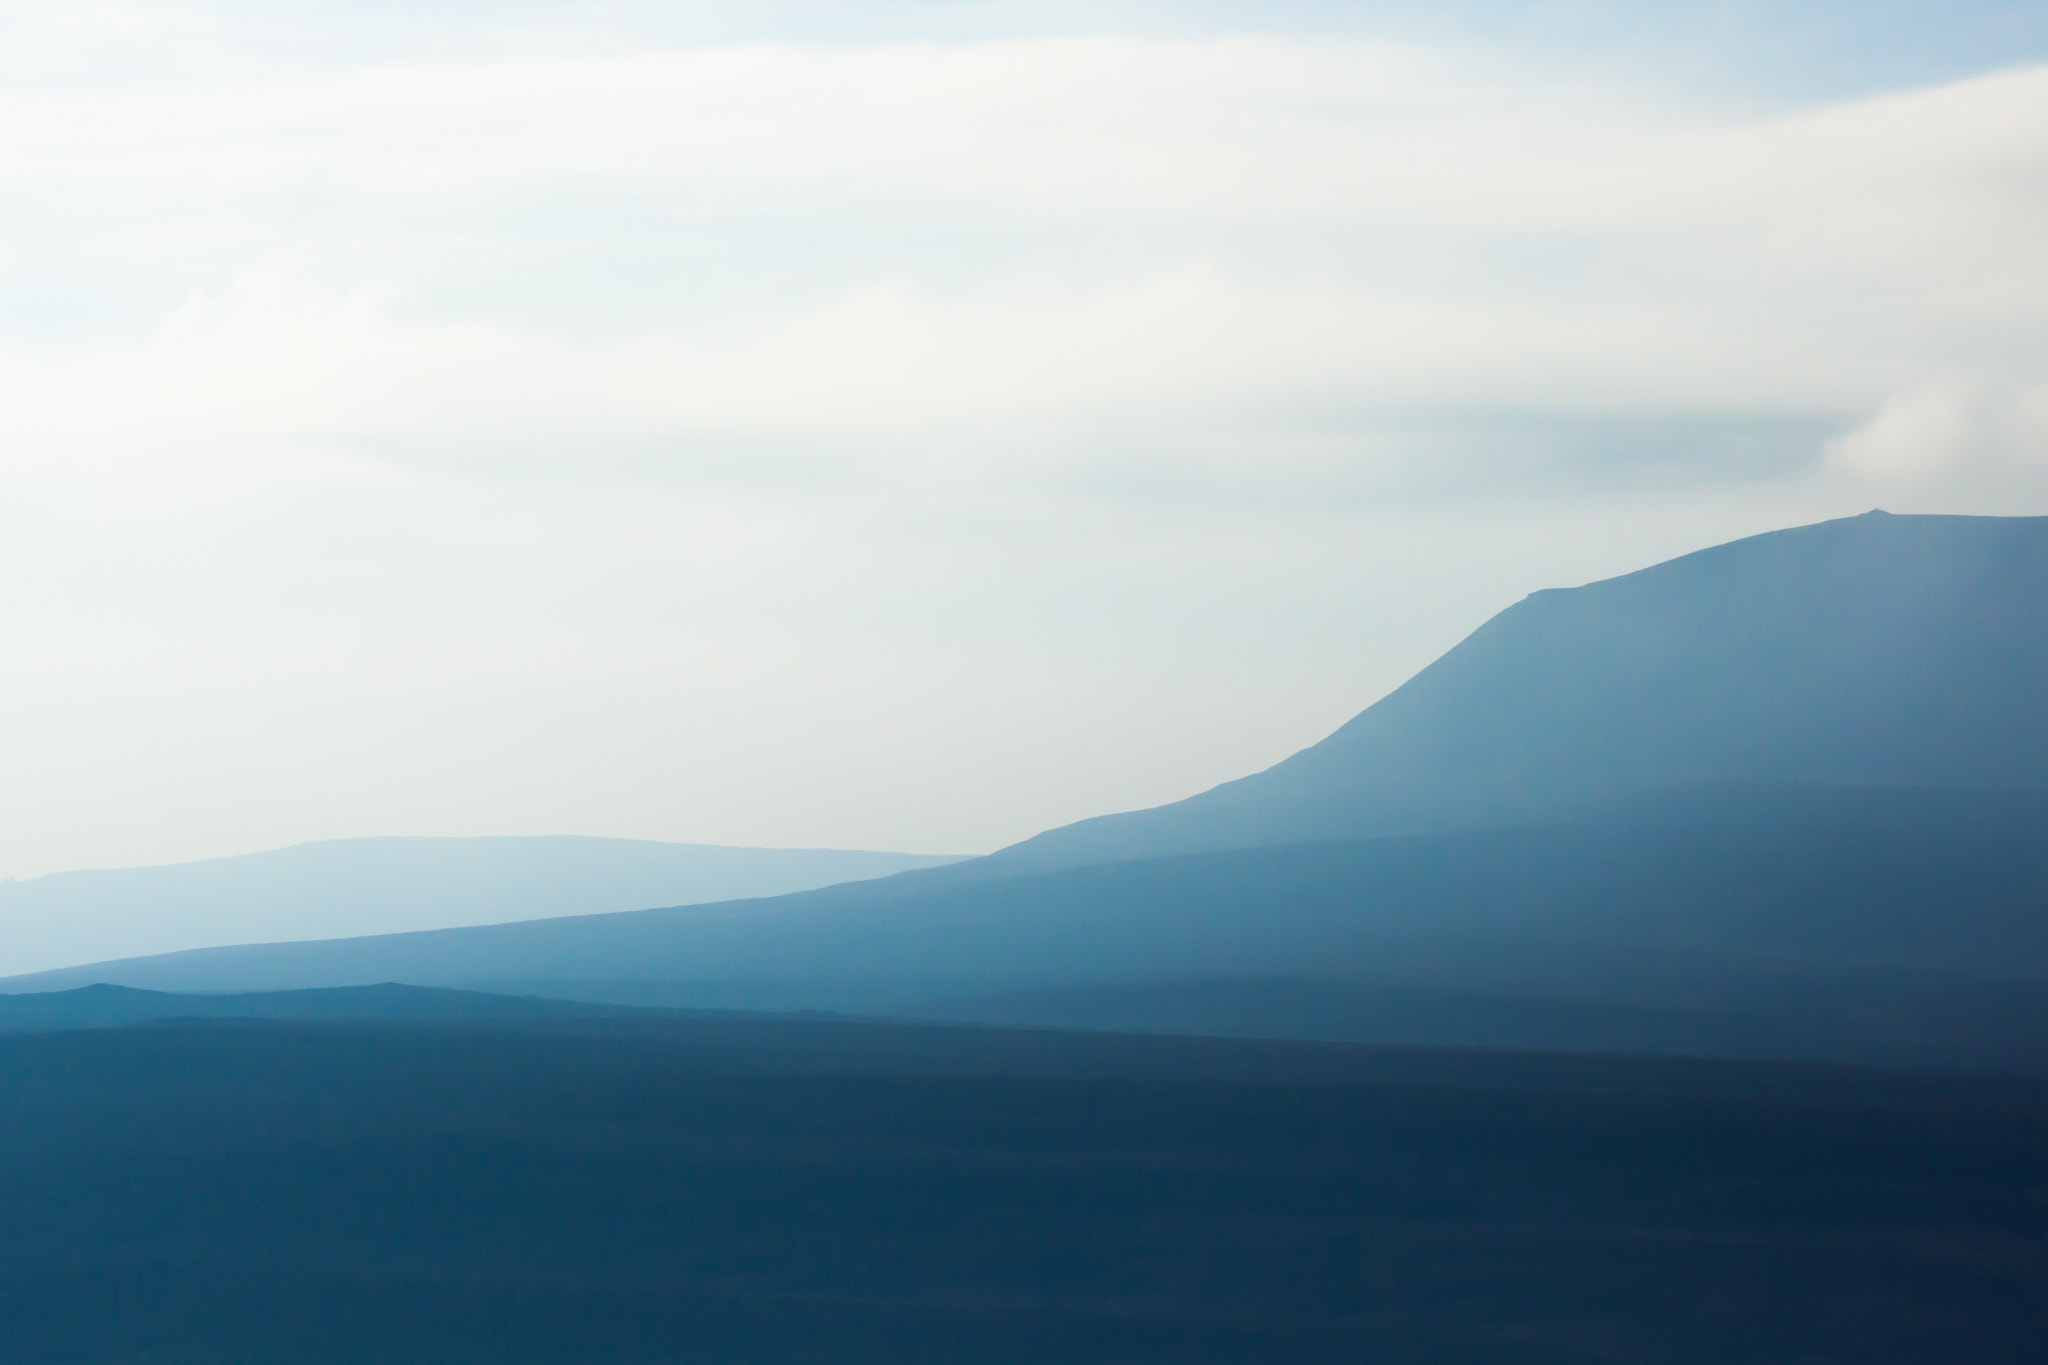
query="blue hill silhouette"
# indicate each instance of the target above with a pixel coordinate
(1877, 649)
(1783, 797)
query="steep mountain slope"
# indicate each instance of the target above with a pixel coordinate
(1876, 649)
(367, 886)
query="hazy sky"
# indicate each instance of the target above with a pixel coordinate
(911, 426)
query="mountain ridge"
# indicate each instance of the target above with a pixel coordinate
(1741, 875)
(1871, 641)
(1761, 775)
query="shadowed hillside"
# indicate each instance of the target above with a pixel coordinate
(92, 1007)
(1678, 928)
(1918, 881)
(775, 1193)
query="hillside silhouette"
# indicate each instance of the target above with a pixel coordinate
(1878, 649)
(1779, 798)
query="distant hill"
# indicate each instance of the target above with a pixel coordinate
(1876, 649)
(348, 887)
(118, 1006)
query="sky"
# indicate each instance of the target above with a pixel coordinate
(913, 426)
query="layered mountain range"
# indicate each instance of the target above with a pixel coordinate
(1787, 796)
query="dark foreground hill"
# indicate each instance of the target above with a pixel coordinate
(105, 1006)
(1873, 650)
(1998, 1027)
(736, 1191)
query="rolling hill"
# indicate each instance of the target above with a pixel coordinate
(358, 886)
(1712, 927)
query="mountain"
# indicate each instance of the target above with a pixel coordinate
(367, 886)
(1781, 798)
(1703, 925)
(1872, 650)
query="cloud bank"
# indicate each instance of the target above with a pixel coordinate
(725, 441)
(896, 248)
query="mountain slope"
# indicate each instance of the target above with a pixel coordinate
(1763, 781)
(1876, 649)
(1822, 881)
(367, 886)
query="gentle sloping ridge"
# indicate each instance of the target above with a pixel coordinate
(349, 887)
(1829, 879)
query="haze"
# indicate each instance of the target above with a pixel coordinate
(915, 427)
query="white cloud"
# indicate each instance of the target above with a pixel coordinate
(1917, 434)
(1158, 237)
(668, 442)
(1948, 429)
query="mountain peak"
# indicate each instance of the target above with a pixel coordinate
(1871, 649)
